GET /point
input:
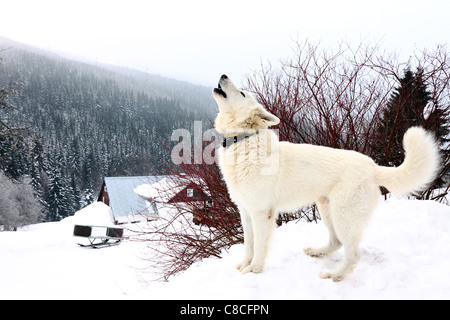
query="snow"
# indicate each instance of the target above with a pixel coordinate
(161, 191)
(95, 214)
(428, 110)
(405, 254)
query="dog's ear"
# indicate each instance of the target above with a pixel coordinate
(268, 118)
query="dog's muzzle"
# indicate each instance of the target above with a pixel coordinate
(219, 90)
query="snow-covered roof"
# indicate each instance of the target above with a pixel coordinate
(163, 190)
(137, 196)
(122, 198)
(160, 191)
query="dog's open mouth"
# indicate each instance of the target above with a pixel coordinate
(219, 91)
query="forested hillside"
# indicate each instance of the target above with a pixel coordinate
(85, 122)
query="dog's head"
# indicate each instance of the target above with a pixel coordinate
(238, 110)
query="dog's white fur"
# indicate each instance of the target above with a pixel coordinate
(265, 176)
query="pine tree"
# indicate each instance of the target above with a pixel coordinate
(75, 195)
(13, 153)
(58, 195)
(405, 109)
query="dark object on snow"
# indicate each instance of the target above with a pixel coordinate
(99, 237)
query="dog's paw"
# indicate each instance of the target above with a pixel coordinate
(336, 277)
(241, 266)
(252, 268)
(313, 252)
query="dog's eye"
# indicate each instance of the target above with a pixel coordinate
(243, 94)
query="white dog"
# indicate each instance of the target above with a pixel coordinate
(265, 176)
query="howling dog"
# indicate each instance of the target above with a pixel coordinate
(265, 176)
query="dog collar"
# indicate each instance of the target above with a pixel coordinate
(231, 139)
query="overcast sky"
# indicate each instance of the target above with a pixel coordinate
(198, 40)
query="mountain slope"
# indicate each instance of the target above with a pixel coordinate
(88, 121)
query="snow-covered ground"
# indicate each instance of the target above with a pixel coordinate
(405, 254)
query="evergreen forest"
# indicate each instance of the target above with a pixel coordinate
(76, 123)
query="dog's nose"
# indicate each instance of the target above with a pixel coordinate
(223, 77)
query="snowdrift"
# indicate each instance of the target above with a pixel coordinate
(405, 254)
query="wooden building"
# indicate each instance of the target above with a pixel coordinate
(134, 199)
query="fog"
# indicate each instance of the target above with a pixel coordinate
(199, 40)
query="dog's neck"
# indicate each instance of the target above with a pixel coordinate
(230, 139)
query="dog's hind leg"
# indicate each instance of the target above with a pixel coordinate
(333, 242)
(350, 213)
(263, 227)
(351, 247)
(248, 240)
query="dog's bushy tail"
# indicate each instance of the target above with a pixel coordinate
(418, 170)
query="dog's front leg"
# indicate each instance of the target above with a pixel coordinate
(248, 240)
(263, 226)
